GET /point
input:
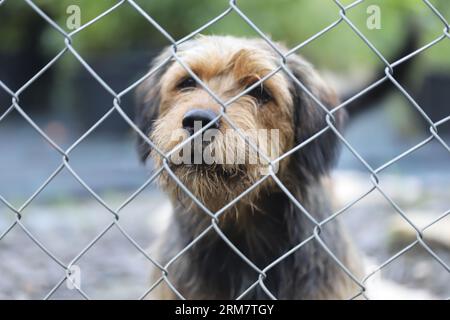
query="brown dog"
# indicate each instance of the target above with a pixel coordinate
(265, 223)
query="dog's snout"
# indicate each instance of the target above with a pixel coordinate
(196, 119)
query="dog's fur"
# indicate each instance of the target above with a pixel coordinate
(265, 224)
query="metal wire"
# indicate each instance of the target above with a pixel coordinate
(342, 18)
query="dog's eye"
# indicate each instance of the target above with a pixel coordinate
(187, 83)
(260, 94)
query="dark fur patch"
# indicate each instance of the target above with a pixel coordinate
(318, 156)
(147, 103)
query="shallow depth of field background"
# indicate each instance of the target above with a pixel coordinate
(66, 101)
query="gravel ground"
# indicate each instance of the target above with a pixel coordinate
(112, 268)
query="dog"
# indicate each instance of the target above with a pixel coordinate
(269, 221)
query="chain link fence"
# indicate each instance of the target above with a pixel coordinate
(117, 108)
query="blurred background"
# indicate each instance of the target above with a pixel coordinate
(66, 101)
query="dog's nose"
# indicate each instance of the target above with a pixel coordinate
(196, 119)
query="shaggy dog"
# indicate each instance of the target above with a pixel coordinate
(281, 211)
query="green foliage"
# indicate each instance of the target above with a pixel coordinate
(289, 21)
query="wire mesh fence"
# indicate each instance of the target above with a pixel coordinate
(116, 97)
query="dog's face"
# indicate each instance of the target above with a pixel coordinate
(275, 116)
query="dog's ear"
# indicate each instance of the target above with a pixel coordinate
(318, 156)
(148, 100)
